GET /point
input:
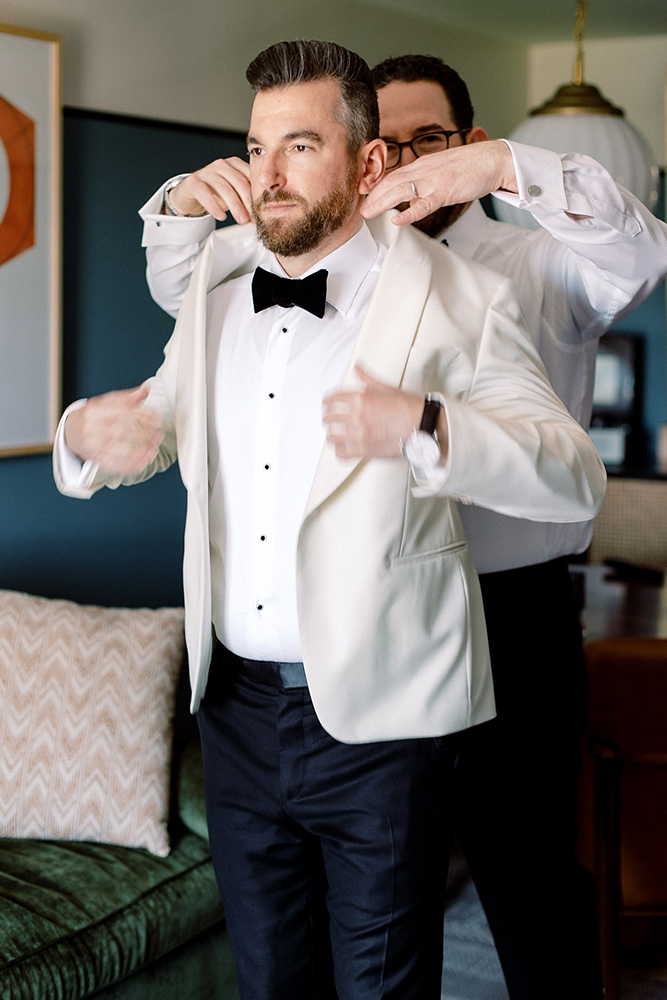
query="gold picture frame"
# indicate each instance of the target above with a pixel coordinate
(30, 239)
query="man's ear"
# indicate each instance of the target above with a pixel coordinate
(476, 134)
(372, 159)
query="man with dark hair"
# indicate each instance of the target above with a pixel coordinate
(597, 254)
(417, 69)
(322, 541)
(290, 63)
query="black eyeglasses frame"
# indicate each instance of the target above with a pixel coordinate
(448, 133)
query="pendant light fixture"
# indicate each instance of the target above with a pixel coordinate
(578, 119)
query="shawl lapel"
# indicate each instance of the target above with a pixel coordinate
(382, 346)
(385, 338)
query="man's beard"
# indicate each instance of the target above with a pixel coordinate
(442, 218)
(317, 222)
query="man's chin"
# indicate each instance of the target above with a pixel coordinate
(437, 221)
(279, 222)
(441, 219)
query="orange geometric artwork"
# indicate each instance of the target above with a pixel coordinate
(17, 134)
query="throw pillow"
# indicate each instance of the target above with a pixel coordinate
(86, 705)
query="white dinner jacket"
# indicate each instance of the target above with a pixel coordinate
(390, 613)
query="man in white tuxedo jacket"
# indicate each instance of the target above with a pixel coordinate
(597, 254)
(335, 571)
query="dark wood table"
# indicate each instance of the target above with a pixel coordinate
(614, 607)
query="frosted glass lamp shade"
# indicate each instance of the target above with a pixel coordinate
(609, 139)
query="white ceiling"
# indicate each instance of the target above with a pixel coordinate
(541, 20)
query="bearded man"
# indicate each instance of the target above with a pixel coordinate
(324, 553)
(598, 253)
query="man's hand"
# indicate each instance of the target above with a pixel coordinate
(116, 431)
(371, 423)
(452, 177)
(220, 187)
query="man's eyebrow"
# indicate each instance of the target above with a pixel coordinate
(303, 133)
(421, 130)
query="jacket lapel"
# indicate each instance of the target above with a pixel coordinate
(385, 338)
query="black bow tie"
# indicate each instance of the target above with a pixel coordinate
(308, 293)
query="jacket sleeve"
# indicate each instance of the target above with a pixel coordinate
(173, 245)
(513, 447)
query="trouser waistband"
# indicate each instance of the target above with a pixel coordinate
(272, 672)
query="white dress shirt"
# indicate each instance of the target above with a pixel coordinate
(267, 373)
(574, 280)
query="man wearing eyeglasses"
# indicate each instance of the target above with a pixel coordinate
(597, 255)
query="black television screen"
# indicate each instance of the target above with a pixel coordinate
(616, 419)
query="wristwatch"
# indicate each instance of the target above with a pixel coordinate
(169, 208)
(422, 448)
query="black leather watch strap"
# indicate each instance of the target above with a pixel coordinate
(430, 415)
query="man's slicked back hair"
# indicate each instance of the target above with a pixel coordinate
(413, 69)
(288, 63)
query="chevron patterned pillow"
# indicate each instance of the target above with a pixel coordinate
(86, 704)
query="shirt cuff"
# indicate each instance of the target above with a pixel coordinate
(539, 176)
(551, 184)
(172, 230)
(431, 484)
(75, 476)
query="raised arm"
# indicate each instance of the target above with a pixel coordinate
(174, 242)
(617, 247)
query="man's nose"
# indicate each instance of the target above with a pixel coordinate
(271, 175)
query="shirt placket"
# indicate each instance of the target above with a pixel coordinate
(264, 519)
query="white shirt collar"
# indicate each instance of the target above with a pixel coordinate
(464, 235)
(347, 267)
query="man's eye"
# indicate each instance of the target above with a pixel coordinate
(255, 151)
(300, 147)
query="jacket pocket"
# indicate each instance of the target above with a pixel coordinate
(416, 557)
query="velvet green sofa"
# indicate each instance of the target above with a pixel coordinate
(86, 919)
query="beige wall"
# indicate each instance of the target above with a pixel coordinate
(630, 72)
(185, 60)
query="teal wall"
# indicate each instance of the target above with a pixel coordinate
(650, 322)
(123, 547)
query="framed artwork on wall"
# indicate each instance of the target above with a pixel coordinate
(30, 266)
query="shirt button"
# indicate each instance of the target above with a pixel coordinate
(259, 607)
(284, 329)
(534, 191)
(262, 538)
(267, 466)
(270, 395)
